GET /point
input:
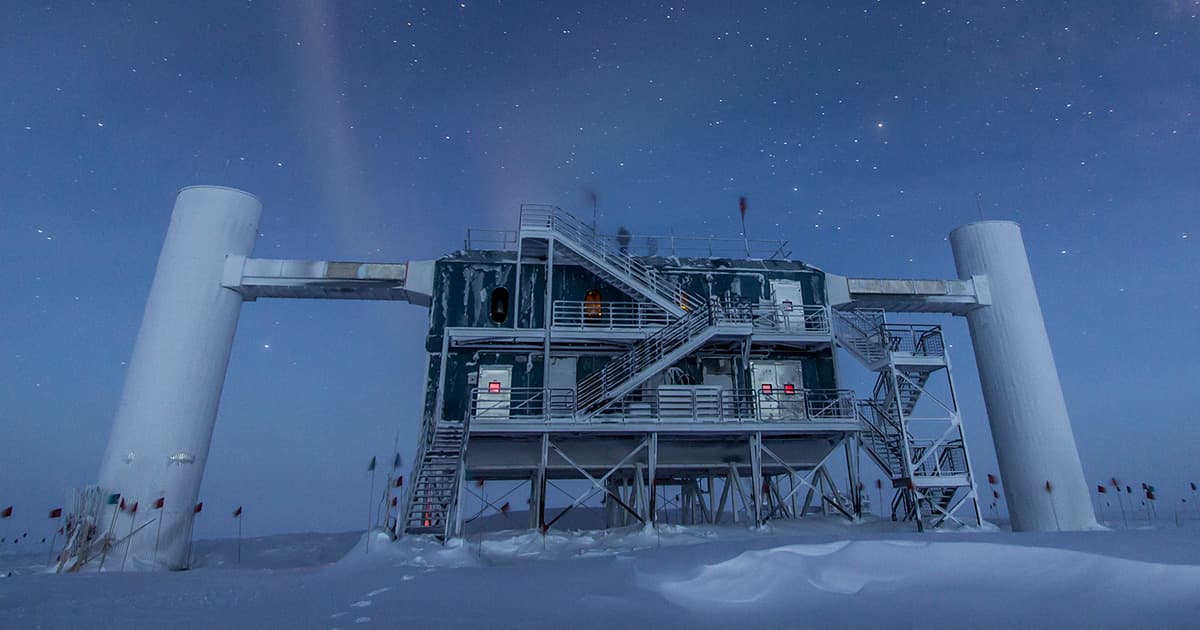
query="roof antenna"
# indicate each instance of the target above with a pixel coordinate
(745, 238)
(979, 204)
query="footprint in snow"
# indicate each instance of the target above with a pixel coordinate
(378, 591)
(363, 620)
(361, 604)
(338, 614)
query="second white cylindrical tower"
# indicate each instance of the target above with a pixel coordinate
(164, 423)
(1039, 463)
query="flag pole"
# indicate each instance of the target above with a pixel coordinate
(108, 534)
(158, 505)
(129, 536)
(196, 509)
(53, 537)
(745, 237)
(55, 534)
(370, 502)
(238, 515)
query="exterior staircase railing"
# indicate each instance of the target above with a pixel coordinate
(432, 495)
(927, 473)
(611, 260)
(654, 353)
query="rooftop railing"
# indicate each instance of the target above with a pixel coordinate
(643, 244)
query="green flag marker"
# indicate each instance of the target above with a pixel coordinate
(114, 499)
(371, 467)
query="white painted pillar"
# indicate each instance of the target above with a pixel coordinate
(1025, 406)
(163, 426)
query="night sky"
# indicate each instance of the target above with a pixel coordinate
(862, 132)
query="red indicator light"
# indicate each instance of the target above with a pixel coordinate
(766, 388)
(494, 387)
(789, 389)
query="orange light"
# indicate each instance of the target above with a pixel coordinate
(766, 388)
(789, 389)
(494, 387)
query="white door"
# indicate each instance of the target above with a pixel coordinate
(789, 299)
(493, 393)
(779, 389)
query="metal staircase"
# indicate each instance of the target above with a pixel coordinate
(928, 465)
(652, 355)
(433, 495)
(606, 259)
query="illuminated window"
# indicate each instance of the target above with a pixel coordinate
(499, 305)
(494, 387)
(789, 389)
(591, 304)
(787, 305)
(766, 388)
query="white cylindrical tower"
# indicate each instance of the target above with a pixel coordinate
(1024, 399)
(163, 426)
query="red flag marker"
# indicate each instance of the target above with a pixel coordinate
(158, 503)
(504, 508)
(1101, 489)
(878, 484)
(133, 508)
(198, 508)
(6, 512)
(1049, 488)
(995, 495)
(237, 512)
(122, 505)
(56, 513)
(400, 481)
(992, 479)
(395, 501)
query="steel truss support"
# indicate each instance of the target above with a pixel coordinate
(819, 475)
(597, 484)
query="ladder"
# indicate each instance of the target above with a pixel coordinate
(434, 492)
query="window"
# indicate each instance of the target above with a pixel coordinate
(499, 305)
(766, 389)
(789, 389)
(592, 309)
(494, 387)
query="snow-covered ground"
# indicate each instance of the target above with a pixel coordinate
(819, 571)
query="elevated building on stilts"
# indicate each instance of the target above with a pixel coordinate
(703, 380)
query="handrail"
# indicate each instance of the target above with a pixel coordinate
(522, 402)
(915, 339)
(489, 239)
(668, 404)
(579, 314)
(666, 339)
(950, 459)
(566, 224)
